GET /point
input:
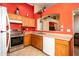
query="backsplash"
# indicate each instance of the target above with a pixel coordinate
(14, 26)
(30, 29)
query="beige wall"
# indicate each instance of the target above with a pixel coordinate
(45, 25)
(76, 23)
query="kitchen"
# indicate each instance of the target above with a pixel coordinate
(41, 28)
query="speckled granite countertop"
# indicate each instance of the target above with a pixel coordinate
(66, 37)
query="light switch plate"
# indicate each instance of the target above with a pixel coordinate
(61, 26)
(68, 30)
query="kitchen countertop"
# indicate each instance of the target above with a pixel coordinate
(17, 36)
(66, 37)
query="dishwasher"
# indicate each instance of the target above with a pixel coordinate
(49, 45)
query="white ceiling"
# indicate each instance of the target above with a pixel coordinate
(39, 6)
(76, 11)
(42, 4)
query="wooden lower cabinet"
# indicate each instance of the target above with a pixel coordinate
(37, 41)
(27, 40)
(61, 48)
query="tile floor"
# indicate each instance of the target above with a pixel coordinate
(27, 51)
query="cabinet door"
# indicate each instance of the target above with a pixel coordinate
(33, 42)
(27, 40)
(28, 22)
(15, 17)
(25, 22)
(31, 22)
(12, 16)
(37, 41)
(61, 50)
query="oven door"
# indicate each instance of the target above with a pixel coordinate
(16, 41)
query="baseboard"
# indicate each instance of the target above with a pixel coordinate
(40, 50)
(27, 45)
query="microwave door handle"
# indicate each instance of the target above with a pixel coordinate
(8, 31)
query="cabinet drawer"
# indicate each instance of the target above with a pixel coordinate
(64, 42)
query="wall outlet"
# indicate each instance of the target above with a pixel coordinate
(61, 26)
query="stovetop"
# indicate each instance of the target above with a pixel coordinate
(16, 33)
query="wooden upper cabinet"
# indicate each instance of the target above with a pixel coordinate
(25, 21)
(32, 22)
(15, 17)
(28, 22)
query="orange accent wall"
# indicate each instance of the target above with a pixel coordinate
(15, 26)
(36, 16)
(23, 8)
(65, 11)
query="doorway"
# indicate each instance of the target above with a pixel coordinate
(76, 32)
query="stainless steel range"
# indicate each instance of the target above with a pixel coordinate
(16, 37)
(16, 40)
(16, 33)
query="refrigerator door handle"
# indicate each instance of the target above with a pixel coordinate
(2, 31)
